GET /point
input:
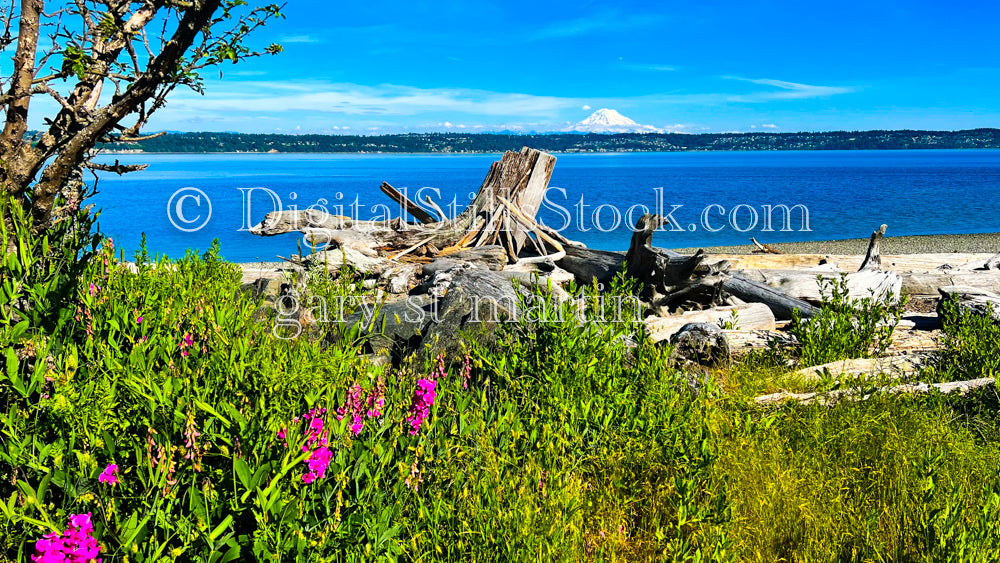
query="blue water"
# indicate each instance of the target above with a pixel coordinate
(847, 194)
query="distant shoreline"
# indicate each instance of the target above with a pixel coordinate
(488, 153)
(562, 143)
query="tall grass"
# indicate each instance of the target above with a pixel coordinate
(568, 437)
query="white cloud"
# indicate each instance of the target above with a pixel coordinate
(606, 21)
(585, 107)
(649, 67)
(769, 126)
(299, 39)
(353, 99)
(787, 90)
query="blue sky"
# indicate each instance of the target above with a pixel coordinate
(379, 67)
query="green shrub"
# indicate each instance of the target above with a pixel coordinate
(845, 327)
(971, 347)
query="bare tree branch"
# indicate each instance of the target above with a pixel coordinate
(117, 168)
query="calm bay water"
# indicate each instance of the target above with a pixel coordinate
(847, 194)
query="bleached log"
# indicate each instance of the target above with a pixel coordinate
(745, 341)
(831, 398)
(895, 366)
(970, 300)
(805, 285)
(993, 263)
(752, 316)
(928, 283)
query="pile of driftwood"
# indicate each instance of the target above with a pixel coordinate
(440, 275)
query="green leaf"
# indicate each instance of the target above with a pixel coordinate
(243, 472)
(232, 554)
(220, 528)
(210, 410)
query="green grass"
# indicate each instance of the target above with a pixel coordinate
(564, 443)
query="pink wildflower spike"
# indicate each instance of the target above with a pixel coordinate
(138, 320)
(109, 475)
(423, 399)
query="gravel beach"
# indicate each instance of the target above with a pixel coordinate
(921, 244)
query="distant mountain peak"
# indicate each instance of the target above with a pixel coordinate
(608, 117)
(607, 120)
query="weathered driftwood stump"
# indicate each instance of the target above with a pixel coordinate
(502, 213)
(873, 259)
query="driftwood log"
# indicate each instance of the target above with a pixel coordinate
(765, 248)
(993, 263)
(780, 303)
(893, 366)
(969, 300)
(831, 398)
(927, 284)
(406, 204)
(751, 316)
(589, 265)
(805, 285)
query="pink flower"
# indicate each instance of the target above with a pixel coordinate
(75, 545)
(109, 475)
(423, 399)
(138, 320)
(186, 342)
(360, 405)
(315, 446)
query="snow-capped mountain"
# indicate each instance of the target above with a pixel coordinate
(610, 121)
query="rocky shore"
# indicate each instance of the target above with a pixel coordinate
(920, 244)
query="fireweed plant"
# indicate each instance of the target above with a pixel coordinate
(151, 414)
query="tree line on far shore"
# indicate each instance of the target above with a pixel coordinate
(562, 142)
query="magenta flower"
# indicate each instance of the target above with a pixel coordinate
(420, 407)
(75, 545)
(185, 343)
(318, 461)
(138, 320)
(359, 405)
(315, 446)
(109, 475)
